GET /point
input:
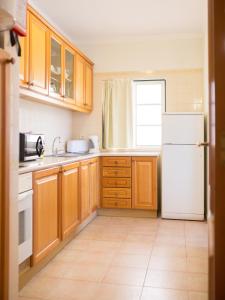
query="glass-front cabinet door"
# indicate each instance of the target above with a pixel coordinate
(69, 84)
(56, 88)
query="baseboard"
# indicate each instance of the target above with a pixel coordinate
(123, 212)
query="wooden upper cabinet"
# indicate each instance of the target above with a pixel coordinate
(144, 183)
(38, 55)
(79, 81)
(69, 75)
(46, 213)
(88, 86)
(94, 184)
(70, 199)
(51, 66)
(56, 67)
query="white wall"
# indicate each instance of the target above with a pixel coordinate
(49, 120)
(170, 58)
(156, 53)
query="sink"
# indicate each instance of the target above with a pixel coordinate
(69, 154)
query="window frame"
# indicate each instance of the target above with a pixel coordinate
(163, 109)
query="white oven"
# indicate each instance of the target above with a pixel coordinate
(25, 211)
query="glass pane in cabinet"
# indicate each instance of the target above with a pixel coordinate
(69, 72)
(55, 80)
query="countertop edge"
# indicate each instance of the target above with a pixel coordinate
(68, 160)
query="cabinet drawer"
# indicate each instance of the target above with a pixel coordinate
(116, 161)
(116, 193)
(116, 203)
(116, 172)
(116, 182)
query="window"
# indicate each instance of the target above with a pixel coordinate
(149, 102)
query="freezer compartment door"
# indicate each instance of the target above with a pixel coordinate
(182, 128)
(183, 182)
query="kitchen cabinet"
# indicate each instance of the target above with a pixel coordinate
(69, 75)
(38, 55)
(88, 86)
(89, 185)
(53, 70)
(56, 67)
(144, 183)
(70, 199)
(116, 181)
(46, 213)
(94, 184)
(84, 190)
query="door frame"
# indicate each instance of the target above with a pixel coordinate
(5, 60)
(216, 35)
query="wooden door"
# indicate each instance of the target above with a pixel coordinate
(38, 55)
(88, 86)
(46, 213)
(84, 190)
(56, 67)
(79, 81)
(4, 175)
(217, 149)
(70, 199)
(144, 183)
(94, 185)
(69, 75)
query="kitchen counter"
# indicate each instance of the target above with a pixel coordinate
(54, 161)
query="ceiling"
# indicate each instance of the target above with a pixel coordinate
(91, 21)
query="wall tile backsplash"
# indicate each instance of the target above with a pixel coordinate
(48, 120)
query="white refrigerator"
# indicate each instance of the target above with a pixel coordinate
(182, 166)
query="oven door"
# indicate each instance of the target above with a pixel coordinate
(25, 225)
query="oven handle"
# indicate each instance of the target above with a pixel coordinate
(25, 194)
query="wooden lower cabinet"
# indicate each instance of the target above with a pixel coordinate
(46, 213)
(70, 199)
(144, 183)
(94, 184)
(89, 185)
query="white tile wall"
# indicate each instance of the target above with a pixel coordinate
(48, 120)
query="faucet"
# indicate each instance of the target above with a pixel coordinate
(55, 151)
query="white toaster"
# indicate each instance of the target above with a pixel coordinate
(78, 146)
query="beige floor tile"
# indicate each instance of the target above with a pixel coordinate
(170, 240)
(198, 282)
(111, 236)
(59, 289)
(168, 263)
(198, 296)
(118, 292)
(102, 220)
(143, 238)
(28, 298)
(125, 275)
(167, 279)
(85, 272)
(130, 260)
(196, 241)
(197, 264)
(169, 251)
(136, 248)
(163, 294)
(84, 257)
(78, 244)
(197, 251)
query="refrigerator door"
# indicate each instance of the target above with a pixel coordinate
(183, 182)
(184, 129)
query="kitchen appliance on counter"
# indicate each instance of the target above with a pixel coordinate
(93, 144)
(182, 166)
(25, 204)
(31, 146)
(78, 146)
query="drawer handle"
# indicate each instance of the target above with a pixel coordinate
(116, 162)
(116, 172)
(116, 204)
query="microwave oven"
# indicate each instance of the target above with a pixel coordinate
(31, 146)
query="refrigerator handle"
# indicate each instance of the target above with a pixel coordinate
(203, 144)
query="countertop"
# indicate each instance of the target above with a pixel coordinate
(54, 161)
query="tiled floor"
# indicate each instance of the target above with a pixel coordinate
(128, 259)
